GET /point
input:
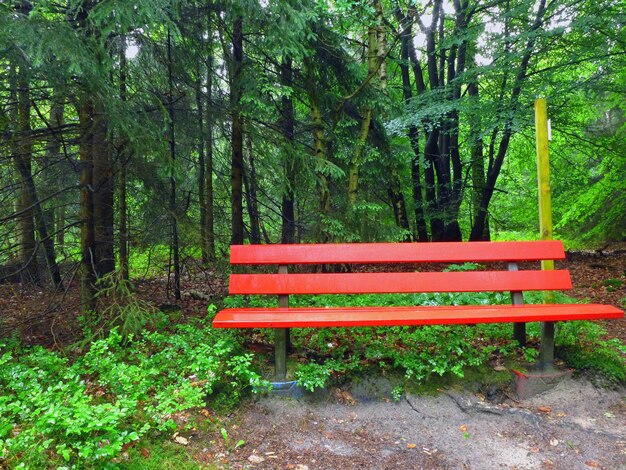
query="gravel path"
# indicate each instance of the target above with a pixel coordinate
(573, 426)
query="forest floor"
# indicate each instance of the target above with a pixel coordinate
(573, 426)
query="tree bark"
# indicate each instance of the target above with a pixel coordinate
(421, 230)
(123, 162)
(236, 197)
(208, 172)
(319, 152)
(87, 235)
(103, 196)
(286, 124)
(172, 197)
(251, 196)
(201, 168)
(22, 149)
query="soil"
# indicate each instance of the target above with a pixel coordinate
(573, 426)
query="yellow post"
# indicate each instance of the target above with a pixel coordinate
(546, 356)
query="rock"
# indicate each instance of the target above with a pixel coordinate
(181, 440)
(256, 459)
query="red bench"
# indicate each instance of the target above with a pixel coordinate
(284, 284)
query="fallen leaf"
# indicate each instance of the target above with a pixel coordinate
(534, 450)
(592, 464)
(545, 409)
(145, 453)
(181, 440)
(548, 463)
(411, 446)
(463, 428)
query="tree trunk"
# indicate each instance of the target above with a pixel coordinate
(421, 230)
(286, 125)
(477, 164)
(103, 204)
(208, 172)
(123, 162)
(201, 168)
(355, 162)
(236, 197)
(22, 149)
(319, 150)
(87, 235)
(251, 196)
(29, 199)
(172, 198)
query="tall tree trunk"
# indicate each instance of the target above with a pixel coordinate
(123, 162)
(236, 197)
(29, 194)
(22, 149)
(319, 150)
(53, 153)
(208, 172)
(87, 235)
(251, 196)
(59, 227)
(286, 125)
(201, 168)
(172, 199)
(399, 205)
(355, 161)
(103, 204)
(478, 163)
(418, 199)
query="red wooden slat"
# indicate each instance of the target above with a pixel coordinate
(378, 283)
(399, 316)
(448, 252)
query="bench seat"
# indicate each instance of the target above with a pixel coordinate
(404, 316)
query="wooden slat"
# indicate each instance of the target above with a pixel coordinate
(447, 252)
(400, 316)
(378, 283)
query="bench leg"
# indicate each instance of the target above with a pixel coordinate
(546, 353)
(280, 353)
(519, 333)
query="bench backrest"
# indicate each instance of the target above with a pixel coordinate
(397, 282)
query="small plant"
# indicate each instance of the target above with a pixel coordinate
(312, 376)
(530, 354)
(224, 434)
(397, 393)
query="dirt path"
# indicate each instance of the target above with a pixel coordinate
(573, 426)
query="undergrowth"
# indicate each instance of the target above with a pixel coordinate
(81, 413)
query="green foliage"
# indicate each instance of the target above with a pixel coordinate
(83, 412)
(583, 346)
